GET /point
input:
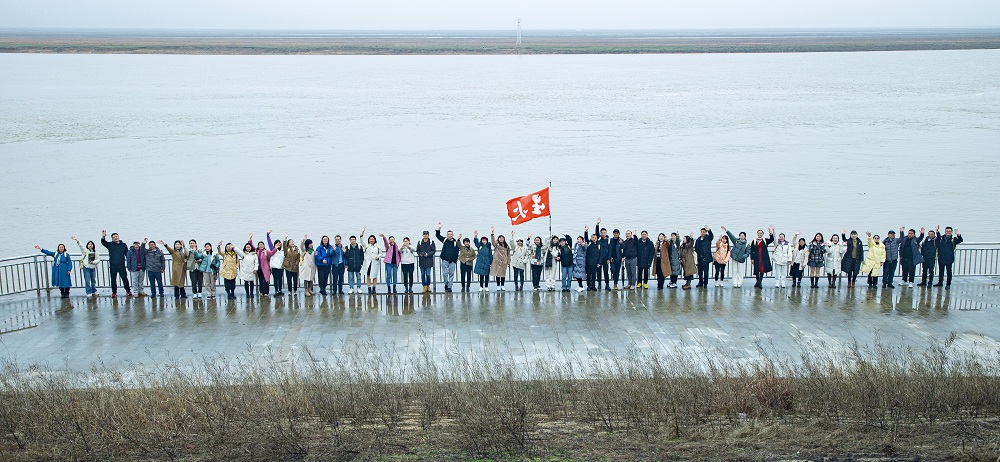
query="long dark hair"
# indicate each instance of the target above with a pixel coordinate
(308, 243)
(91, 246)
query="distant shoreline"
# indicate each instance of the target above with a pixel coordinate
(203, 42)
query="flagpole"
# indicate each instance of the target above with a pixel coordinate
(550, 211)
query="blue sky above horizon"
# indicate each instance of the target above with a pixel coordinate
(472, 15)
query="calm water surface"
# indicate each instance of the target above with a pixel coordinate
(213, 147)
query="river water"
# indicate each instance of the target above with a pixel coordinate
(214, 147)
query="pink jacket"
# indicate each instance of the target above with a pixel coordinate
(264, 259)
(392, 254)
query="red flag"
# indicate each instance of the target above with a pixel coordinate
(526, 208)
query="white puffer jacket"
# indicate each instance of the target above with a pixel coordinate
(521, 258)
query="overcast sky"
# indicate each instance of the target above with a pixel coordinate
(502, 14)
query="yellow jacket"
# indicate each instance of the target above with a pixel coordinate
(872, 265)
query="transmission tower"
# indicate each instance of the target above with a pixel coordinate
(518, 32)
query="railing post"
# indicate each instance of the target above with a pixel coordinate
(38, 278)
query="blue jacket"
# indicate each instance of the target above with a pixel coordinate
(739, 252)
(324, 255)
(946, 248)
(337, 256)
(135, 259)
(207, 261)
(484, 259)
(62, 265)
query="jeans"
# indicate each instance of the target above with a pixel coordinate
(337, 275)
(737, 273)
(567, 277)
(909, 270)
(888, 272)
(408, 275)
(616, 271)
(119, 272)
(518, 278)
(137, 278)
(354, 277)
(448, 272)
(391, 274)
(89, 279)
(942, 269)
(631, 266)
(155, 279)
(536, 276)
(324, 276)
(425, 276)
(196, 281)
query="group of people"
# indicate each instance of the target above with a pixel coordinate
(597, 258)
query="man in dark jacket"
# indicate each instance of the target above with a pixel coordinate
(891, 243)
(449, 257)
(593, 261)
(565, 258)
(426, 249)
(602, 267)
(946, 253)
(616, 256)
(354, 257)
(703, 247)
(135, 261)
(116, 262)
(644, 259)
(630, 252)
(337, 266)
(909, 254)
(928, 252)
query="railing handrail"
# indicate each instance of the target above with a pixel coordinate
(33, 272)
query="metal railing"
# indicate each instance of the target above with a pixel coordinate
(33, 272)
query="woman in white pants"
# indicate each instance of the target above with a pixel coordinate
(553, 271)
(372, 262)
(781, 258)
(739, 253)
(835, 251)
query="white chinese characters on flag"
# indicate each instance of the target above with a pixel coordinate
(526, 208)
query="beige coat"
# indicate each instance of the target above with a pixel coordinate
(178, 267)
(665, 269)
(501, 259)
(230, 264)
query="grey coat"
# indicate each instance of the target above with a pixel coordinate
(155, 261)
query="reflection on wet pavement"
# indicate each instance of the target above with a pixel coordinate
(79, 332)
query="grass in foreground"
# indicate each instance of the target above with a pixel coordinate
(868, 402)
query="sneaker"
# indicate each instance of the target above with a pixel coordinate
(947, 287)
(579, 289)
(910, 285)
(114, 295)
(129, 294)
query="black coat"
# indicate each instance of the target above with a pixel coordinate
(929, 250)
(946, 248)
(354, 257)
(647, 252)
(116, 253)
(703, 246)
(594, 252)
(616, 253)
(630, 247)
(566, 256)
(449, 249)
(849, 264)
(603, 241)
(760, 256)
(425, 253)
